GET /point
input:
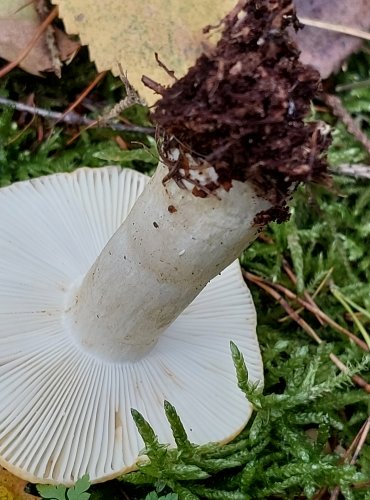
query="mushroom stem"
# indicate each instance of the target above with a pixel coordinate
(166, 251)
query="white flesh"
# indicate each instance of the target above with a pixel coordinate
(158, 262)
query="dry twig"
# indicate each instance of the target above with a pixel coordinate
(73, 118)
(131, 98)
(356, 445)
(335, 104)
(83, 94)
(270, 288)
(293, 278)
(337, 28)
(358, 171)
(314, 309)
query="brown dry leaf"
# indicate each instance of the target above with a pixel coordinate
(12, 488)
(18, 23)
(323, 49)
(131, 31)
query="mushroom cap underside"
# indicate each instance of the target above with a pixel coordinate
(65, 413)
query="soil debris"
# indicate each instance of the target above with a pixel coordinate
(241, 108)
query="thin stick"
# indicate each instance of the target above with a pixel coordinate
(73, 118)
(357, 443)
(312, 308)
(338, 28)
(169, 72)
(301, 322)
(305, 326)
(132, 97)
(24, 53)
(79, 132)
(315, 294)
(335, 104)
(83, 94)
(354, 443)
(360, 170)
(362, 441)
(152, 85)
(22, 131)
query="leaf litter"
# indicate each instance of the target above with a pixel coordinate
(19, 21)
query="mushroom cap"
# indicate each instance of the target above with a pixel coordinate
(65, 413)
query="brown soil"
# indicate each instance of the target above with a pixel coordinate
(241, 108)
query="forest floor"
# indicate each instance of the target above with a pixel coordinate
(310, 280)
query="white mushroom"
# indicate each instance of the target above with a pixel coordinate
(108, 304)
(98, 317)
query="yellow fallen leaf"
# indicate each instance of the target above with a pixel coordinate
(5, 494)
(12, 488)
(131, 31)
(18, 23)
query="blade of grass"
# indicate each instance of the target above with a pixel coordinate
(293, 279)
(343, 300)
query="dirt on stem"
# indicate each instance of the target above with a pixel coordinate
(241, 109)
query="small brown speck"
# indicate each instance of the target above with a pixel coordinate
(172, 209)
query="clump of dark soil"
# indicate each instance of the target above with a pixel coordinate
(241, 108)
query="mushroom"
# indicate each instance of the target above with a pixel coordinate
(83, 342)
(108, 304)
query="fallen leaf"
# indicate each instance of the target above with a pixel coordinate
(130, 33)
(323, 49)
(12, 488)
(18, 24)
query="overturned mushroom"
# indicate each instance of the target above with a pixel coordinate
(108, 303)
(70, 374)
